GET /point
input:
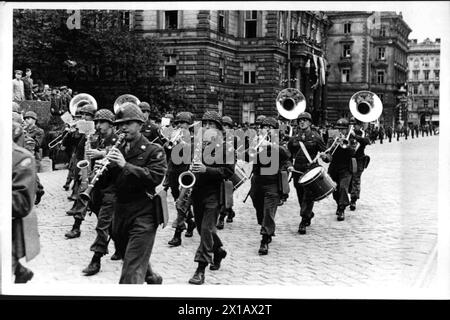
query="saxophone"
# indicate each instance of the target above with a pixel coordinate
(85, 164)
(187, 180)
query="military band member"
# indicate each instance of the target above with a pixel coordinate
(69, 144)
(182, 122)
(206, 198)
(150, 129)
(313, 144)
(265, 188)
(228, 126)
(33, 131)
(24, 244)
(340, 169)
(362, 160)
(137, 168)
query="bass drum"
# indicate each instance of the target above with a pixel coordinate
(239, 177)
(318, 182)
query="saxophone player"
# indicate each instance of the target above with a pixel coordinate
(206, 195)
(182, 122)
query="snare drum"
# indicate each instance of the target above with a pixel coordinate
(239, 177)
(318, 182)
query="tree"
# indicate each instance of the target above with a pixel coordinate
(104, 58)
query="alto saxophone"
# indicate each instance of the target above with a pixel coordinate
(85, 164)
(86, 194)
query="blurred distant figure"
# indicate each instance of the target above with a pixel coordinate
(18, 87)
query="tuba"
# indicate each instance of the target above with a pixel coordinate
(80, 100)
(365, 106)
(290, 103)
(125, 98)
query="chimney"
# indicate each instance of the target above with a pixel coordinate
(438, 40)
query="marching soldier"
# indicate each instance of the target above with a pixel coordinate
(228, 125)
(24, 244)
(265, 188)
(137, 168)
(340, 169)
(68, 144)
(182, 122)
(150, 129)
(304, 147)
(362, 160)
(206, 198)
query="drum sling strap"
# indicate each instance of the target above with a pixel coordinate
(305, 152)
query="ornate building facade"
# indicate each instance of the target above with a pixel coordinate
(423, 81)
(366, 51)
(236, 62)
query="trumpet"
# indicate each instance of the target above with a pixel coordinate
(86, 194)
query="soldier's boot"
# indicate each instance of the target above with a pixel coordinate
(220, 222)
(39, 195)
(23, 274)
(230, 216)
(340, 214)
(199, 275)
(264, 247)
(116, 256)
(66, 186)
(94, 265)
(218, 257)
(302, 226)
(75, 232)
(154, 278)
(308, 221)
(176, 240)
(353, 204)
(190, 228)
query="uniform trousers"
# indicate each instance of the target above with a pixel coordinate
(265, 196)
(206, 205)
(305, 198)
(342, 177)
(355, 186)
(104, 219)
(134, 230)
(182, 216)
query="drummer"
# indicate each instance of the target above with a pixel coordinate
(304, 147)
(228, 127)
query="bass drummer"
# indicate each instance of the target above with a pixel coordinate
(304, 146)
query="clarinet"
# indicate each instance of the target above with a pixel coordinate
(86, 194)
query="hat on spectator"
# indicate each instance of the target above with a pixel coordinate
(228, 121)
(30, 114)
(18, 72)
(129, 112)
(270, 121)
(213, 116)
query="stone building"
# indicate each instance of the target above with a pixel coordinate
(423, 81)
(236, 62)
(366, 51)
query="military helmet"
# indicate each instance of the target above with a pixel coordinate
(227, 120)
(129, 112)
(104, 115)
(183, 117)
(30, 114)
(342, 123)
(144, 106)
(213, 116)
(305, 115)
(259, 119)
(88, 108)
(270, 121)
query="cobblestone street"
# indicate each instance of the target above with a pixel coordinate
(386, 242)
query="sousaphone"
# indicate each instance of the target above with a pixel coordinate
(121, 100)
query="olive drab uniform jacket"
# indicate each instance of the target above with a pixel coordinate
(150, 131)
(38, 136)
(25, 236)
(313, 143)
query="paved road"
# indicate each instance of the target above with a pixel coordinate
(386, 242)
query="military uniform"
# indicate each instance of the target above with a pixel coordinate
(314, 144)
(265, 188)
(361, 162)
(25, 237)
(33, 131)
(135, 220)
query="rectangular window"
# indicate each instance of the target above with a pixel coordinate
(381, 53)
(425, 104)
(170, 72)
(248, 112)
(383, 31)
(345, 76)
(431, 90)
(171, 19)
(426, 74)
(250, 24)
(380, 76)
(436, 104)
(436, 87)
(415, 89)
(221, 21)
(249, 73)
(221, 70)
(416, 74)
(347, 27)
(346, 50)
(436, 74)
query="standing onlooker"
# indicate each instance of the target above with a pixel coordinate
(389, 133)
(406, 131)
(28, 85)
(18, 87)
(381, 134)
